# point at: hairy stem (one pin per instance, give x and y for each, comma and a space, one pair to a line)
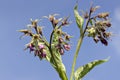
79, 46
75, 56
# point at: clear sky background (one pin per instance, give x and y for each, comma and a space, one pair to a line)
17, 64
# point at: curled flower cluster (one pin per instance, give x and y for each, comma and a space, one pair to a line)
62, 45
99, 24
60, 39
39, 45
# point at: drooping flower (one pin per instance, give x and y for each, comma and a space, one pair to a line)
26, 32
61, 50
31, 47
60, 40
39, 29
42, 51
41, 46
67, 37
34, 22
37, 52
96, 39
103, 15
67, 47
43, 54
65, 21
51, 17
53, 20
104, 41
93, 9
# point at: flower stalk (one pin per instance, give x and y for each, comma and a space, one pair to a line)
76, 55
79, 45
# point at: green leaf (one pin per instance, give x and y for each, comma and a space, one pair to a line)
83, 70
55, 59
79, 19
60, 68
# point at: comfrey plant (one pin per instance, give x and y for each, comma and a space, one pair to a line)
96, 27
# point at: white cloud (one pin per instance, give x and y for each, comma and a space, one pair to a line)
117, 13
116, 30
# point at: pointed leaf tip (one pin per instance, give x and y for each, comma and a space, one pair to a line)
79, 19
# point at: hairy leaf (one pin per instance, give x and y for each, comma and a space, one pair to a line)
56, 62
60, 68
83, 70
79, 19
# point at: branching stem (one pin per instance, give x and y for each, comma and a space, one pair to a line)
79, 46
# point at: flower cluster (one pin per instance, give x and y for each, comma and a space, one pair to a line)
40, 51
99, 24
63, 45
39, 45
61, 39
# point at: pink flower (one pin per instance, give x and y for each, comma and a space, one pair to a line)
43, 54
31, 47
41, 46
61, 51
67, 47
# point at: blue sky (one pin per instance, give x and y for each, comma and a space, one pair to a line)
17, 64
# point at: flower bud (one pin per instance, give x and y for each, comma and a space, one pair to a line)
39, 29
51, 18
93, 9
99, 23
103, 15
37, 52
36, 36
41, 46
108, 24
58, 46
26, 32
67, 47
91, 32
102, 29
104, 41
60, 40
59, 31
67, 37
103, 23
34, 22
96, 40
61, 51
55, 22
31, 47
64, 22
86, 15
107, 34
43, 54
